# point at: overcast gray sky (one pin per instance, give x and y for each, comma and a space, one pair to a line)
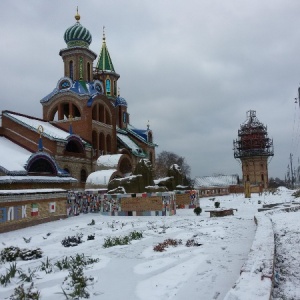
193, 68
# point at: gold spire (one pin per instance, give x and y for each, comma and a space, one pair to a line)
77, 16
103, 38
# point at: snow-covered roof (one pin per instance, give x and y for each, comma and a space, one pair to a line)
109, 161
31, 191
100, 177
12, 156
53, 179
216, 181
33, 124
134, 148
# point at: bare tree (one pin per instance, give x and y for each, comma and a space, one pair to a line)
166, 159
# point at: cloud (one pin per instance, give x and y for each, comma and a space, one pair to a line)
192, 68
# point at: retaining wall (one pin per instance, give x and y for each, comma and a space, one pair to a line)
23, 208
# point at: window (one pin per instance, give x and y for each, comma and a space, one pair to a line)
88, 71
107, 85
115, 88
83, 175
71, 69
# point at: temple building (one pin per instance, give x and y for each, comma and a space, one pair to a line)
85, 125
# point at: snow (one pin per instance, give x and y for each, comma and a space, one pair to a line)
13, 157
109, 161
4, 179
31, 191
213, 181
129, 143
49, 129
211, 271
100, 177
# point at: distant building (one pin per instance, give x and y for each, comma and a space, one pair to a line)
217, 185
84, 118
253, 148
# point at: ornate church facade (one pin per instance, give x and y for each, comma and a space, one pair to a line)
85, 124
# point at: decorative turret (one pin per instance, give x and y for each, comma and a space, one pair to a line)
105, 70
77, 35
253, 147
78, 58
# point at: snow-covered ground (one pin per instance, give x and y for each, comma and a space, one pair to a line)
135, 271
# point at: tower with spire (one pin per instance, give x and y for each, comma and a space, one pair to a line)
105, 71
89, 99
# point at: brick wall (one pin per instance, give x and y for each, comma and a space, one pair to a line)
141, 204
16, 210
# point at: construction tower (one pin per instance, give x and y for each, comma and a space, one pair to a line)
253, 148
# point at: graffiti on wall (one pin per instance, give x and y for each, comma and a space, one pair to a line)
12, 213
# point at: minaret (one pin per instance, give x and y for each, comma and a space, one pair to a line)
78, 58
253, 148
105, 71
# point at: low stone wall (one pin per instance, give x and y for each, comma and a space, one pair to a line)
187, 199
160, 203
23, 208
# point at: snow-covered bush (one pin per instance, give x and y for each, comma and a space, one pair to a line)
72, 241
29, 254
20, 293
9, 254
12, 253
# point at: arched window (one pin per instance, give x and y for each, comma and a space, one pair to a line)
115, 88
102, 143
88, 71
107, 117
42, 166
108, 144
71, 69
83, 175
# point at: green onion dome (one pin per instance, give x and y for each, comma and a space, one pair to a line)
77, 35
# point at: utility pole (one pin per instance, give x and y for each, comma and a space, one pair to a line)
292, 175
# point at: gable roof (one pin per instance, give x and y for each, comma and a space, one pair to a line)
50, 131
131, 145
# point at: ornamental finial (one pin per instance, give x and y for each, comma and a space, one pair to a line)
77, 16
103, 38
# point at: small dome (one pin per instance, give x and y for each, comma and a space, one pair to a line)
77, 35
120, 102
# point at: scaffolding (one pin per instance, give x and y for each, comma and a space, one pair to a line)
252, 139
